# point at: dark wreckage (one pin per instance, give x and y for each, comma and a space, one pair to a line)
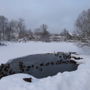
40, 65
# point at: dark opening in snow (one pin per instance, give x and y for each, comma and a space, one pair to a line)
40, 65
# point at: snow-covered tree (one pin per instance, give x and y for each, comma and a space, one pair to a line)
83, 24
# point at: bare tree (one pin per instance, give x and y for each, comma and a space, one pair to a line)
11, 28
3, 27
44, 32
83, 24
21, 28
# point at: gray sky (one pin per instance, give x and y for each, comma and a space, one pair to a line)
57, 14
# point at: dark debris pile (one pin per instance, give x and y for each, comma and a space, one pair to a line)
5, 69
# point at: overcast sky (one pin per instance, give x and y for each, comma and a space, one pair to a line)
57, 14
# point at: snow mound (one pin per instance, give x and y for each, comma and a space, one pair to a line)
76, 80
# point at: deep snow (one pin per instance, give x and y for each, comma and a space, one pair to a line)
76, 80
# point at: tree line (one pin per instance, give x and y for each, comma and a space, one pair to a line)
16, 29
13, 30
82, 25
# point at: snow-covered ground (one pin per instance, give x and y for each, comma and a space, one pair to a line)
76, 80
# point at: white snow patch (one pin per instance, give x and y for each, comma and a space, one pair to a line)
14, 50
76, 80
